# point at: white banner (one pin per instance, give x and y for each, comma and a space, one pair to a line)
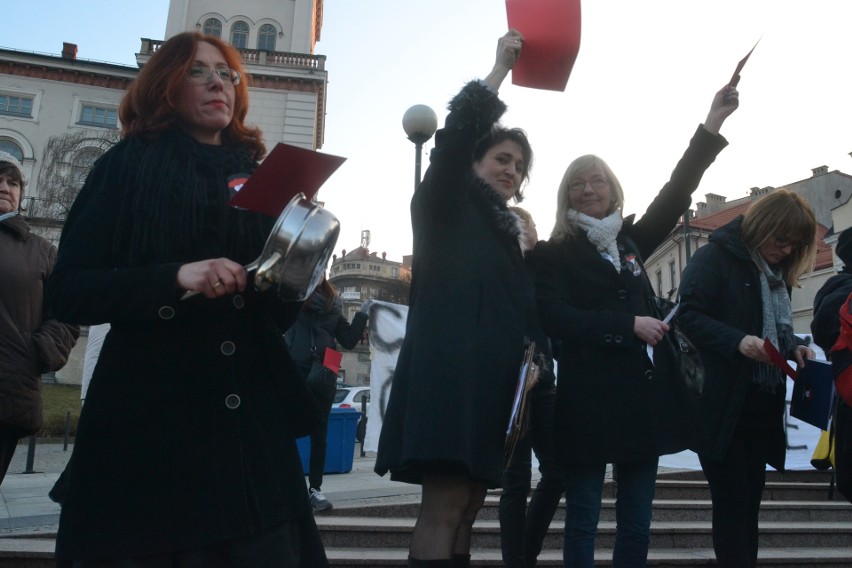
387, 328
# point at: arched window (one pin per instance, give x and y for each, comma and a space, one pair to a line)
266, 37
7, 145
239, 35
82, 163
212, 27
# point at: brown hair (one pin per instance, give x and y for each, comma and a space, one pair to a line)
783, 214
149, 107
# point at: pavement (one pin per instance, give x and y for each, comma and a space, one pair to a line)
26, 508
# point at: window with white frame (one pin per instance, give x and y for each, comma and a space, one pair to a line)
239, 35
16, 105
11, 147
96, 115
212, 27
266, 37
672, 275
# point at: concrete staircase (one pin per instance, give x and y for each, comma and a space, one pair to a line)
799, 527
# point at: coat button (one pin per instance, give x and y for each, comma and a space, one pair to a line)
622, 294
649, 374
608, 338
166, 312
238, 301
618, 339
233, 401
228, 348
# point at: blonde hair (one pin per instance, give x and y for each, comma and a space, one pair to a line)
564, 229
783, 214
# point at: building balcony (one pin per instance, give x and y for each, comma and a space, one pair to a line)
282, 59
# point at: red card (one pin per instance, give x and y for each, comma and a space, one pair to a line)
735, 78
551, 30
332, 359
286, 171
777, 359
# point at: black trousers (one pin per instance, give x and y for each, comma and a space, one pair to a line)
323, 389
295, 544
736, 488
9, 436
522, 529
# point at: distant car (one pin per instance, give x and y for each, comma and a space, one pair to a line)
351, 397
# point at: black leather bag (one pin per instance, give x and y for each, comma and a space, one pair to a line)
688, 360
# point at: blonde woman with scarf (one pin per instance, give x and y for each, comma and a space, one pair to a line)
615, 404
736, 292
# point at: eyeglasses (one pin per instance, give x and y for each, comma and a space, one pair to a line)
202, 75
783, 243
595, 182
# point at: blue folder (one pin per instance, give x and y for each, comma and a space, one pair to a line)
813, 394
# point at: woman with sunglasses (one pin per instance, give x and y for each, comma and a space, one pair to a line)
735, 294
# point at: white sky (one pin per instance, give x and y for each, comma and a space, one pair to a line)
644, 78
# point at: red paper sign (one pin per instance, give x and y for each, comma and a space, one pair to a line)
332, 359
286, 171
551, 30
735, 78
777, 359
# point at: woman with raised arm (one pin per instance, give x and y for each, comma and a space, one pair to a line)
615, 405
452, 389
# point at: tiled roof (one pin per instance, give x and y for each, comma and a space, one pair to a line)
824, 256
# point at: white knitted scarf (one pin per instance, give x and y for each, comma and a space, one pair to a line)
601, 233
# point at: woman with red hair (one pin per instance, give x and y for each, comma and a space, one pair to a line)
185, 454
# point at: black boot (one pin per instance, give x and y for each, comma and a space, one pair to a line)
415, 563
461, 560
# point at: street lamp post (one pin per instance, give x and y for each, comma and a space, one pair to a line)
419, 122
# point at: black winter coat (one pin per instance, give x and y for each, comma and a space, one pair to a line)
458, 365
187, 437
613, 404
319, 328
721, 304
825, 326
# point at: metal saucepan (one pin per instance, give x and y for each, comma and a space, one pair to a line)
296, 252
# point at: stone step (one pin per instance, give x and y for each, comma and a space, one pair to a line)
368, 532
671, 558
38, 553
667, 489
664, 510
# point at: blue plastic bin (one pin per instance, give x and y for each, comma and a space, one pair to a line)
340, 442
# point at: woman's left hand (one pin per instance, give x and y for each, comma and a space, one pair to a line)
725, 102
803, 352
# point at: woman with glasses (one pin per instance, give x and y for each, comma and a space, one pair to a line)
185, 454
616, 405
735, 295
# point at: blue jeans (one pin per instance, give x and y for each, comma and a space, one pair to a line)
634, 498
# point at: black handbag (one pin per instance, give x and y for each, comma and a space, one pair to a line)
686, 355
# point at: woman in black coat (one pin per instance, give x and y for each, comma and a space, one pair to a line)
186, 449
452, 389
735, 292
615, 405
320, 326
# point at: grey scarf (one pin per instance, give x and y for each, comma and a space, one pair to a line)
777, 324
601, 233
